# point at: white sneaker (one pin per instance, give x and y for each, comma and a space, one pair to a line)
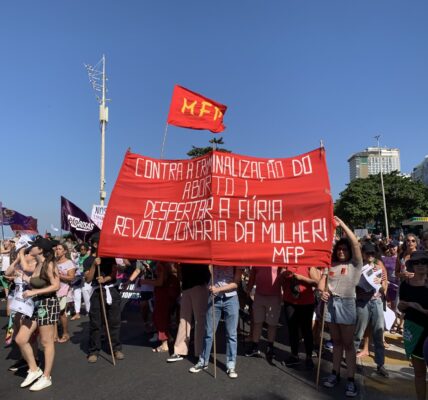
42, 383
232, 373
31, 377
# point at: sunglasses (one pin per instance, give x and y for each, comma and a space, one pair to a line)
411, 241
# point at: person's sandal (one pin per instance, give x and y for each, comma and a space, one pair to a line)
160, 349
64, 339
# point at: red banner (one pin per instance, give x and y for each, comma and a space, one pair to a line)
192, 110
223, 209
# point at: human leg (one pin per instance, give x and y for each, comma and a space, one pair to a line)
199, 305
420, 371
181, 345
47, 341
231, 317
210, 328
22, 339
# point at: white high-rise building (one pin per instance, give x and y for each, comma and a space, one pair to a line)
420, 172
367, 162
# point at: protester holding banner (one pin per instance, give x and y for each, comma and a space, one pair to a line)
414, 303
299, 305
266, 307
193, 303
101, 274
167, 290
370, 296
44, 283
225, 281
67, 272
338, 292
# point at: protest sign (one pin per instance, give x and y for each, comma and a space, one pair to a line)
222, 209
97, 215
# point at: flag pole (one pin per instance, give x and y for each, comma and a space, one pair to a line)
164, 140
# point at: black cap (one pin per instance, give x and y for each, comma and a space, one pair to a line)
368, 248
419, 256
44, 244
394, 243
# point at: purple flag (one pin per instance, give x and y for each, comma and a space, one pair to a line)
19, 222
73, 219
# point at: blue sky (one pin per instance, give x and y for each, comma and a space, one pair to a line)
290, 72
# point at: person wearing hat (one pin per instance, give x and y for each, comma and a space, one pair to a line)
44, 284
370, 304
413, 295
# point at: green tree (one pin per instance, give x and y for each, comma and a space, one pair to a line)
200, 151
361, 202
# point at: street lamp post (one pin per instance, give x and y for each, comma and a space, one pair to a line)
97, 77
377, 137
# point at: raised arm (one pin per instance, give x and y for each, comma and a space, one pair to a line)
356, 249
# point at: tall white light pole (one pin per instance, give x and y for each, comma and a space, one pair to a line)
97, 77
377, 137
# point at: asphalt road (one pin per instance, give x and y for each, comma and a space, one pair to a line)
144, 374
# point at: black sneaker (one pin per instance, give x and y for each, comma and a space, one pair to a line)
351, 389
174, 358
270, 354
291, 361
382, 371
252, 351
18, 365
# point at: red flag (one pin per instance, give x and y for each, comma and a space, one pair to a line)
222, 209
192, 110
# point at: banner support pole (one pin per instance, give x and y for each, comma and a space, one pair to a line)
321, 337
164, 141
103, 306
214, 325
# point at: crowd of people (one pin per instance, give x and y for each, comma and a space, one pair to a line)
45, 280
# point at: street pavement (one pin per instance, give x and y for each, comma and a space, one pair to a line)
144, 374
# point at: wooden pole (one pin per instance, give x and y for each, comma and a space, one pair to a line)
103, 306
322, 336
214, 326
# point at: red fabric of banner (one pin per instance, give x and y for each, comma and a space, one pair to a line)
192, 110
223, 209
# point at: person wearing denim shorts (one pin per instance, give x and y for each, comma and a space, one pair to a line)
338, 292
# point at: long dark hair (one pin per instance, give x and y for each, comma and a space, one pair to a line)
49, 256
